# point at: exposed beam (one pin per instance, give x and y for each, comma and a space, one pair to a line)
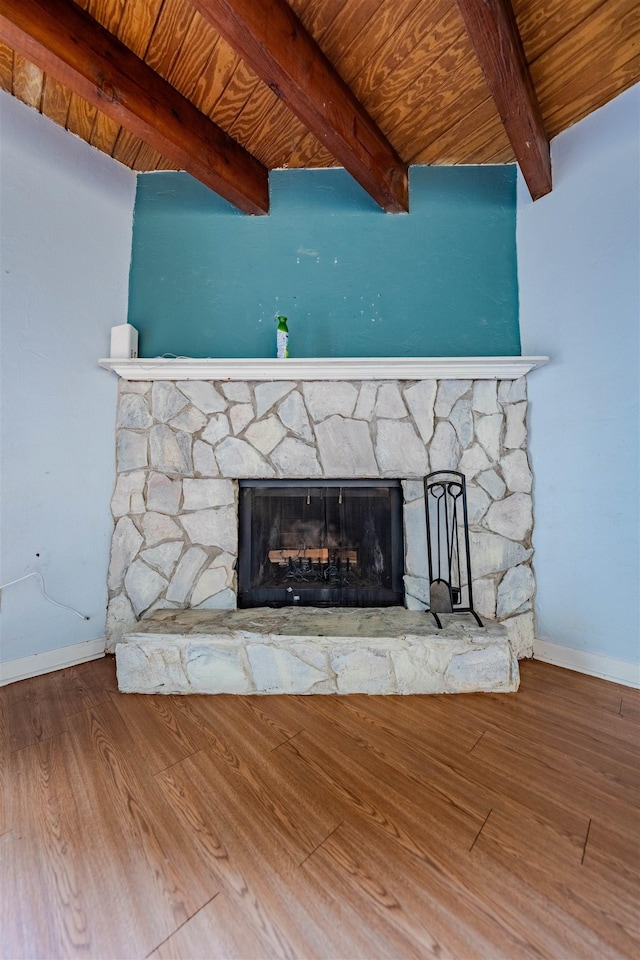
271, 39
493, 31
60, 38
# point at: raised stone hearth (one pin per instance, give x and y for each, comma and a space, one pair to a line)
313, 651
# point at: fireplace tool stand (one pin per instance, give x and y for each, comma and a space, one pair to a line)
445, 499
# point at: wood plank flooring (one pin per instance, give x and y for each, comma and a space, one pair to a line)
475, 826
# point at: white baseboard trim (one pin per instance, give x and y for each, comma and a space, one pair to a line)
596, 665
39, 663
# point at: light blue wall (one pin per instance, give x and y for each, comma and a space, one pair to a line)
66, 221
353, 281
66, 238
579, 268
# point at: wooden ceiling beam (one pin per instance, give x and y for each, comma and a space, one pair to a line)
493, 31
272, 40
61, 39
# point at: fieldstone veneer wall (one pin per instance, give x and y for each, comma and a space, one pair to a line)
181, 448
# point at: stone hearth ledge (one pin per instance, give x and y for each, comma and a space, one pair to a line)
306, 650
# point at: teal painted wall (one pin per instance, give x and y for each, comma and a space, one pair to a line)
353, 281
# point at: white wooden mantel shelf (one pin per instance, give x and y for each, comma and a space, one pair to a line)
325, 368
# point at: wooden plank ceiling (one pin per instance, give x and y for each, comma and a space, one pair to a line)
229, 89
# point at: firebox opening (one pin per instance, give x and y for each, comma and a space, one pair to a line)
320, 543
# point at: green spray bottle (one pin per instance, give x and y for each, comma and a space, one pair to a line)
282, 339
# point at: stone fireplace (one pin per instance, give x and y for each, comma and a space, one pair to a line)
184, 445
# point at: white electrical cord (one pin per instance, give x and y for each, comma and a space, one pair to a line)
44, 593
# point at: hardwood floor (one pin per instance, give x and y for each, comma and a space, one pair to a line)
475, 826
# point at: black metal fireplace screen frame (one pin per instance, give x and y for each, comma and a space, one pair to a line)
337, 588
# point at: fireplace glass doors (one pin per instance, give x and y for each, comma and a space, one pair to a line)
323, 543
